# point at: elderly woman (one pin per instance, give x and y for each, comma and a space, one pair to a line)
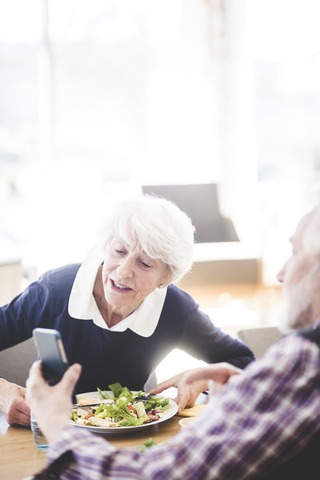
119, 313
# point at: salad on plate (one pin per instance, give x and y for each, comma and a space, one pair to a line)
121, 409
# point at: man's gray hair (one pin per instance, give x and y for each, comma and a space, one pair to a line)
161, 229
311, 234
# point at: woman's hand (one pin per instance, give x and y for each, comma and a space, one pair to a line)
192, 382
187, 394
51, 406
216, 375
13, 403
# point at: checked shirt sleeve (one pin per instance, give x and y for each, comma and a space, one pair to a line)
263, 417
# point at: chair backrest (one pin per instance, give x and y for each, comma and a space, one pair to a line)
259, 339
15, 362
201, 203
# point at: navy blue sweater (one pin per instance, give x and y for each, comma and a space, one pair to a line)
108, 357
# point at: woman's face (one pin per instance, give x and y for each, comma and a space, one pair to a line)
129, 275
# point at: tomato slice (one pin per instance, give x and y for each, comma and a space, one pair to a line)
88, 416
131, 409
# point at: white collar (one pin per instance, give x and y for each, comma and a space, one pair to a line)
143, 321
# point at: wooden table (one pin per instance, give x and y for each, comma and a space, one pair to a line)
19, 457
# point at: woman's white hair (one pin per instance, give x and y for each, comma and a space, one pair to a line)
158, 226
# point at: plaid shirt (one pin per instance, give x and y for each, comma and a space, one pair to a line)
260, 419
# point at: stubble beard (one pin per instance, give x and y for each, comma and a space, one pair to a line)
297, 312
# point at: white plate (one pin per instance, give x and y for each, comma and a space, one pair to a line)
172, 410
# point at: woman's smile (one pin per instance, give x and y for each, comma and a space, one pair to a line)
118, 286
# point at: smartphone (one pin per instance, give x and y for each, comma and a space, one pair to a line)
52, 355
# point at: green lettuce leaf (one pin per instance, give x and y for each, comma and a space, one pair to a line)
128, 418
116, 388
104, 395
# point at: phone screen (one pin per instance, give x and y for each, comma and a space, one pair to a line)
52, 355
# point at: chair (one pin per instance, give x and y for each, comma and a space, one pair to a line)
15, 362
220, 257
259, 339
201, 203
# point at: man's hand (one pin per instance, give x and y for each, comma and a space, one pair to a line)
13, 404
51, 406
187, 394
192, 382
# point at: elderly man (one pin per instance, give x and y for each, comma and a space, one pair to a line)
263, 422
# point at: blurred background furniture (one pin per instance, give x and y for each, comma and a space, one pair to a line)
259, 339
10, 279
15, 362
201, 203
220, 257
